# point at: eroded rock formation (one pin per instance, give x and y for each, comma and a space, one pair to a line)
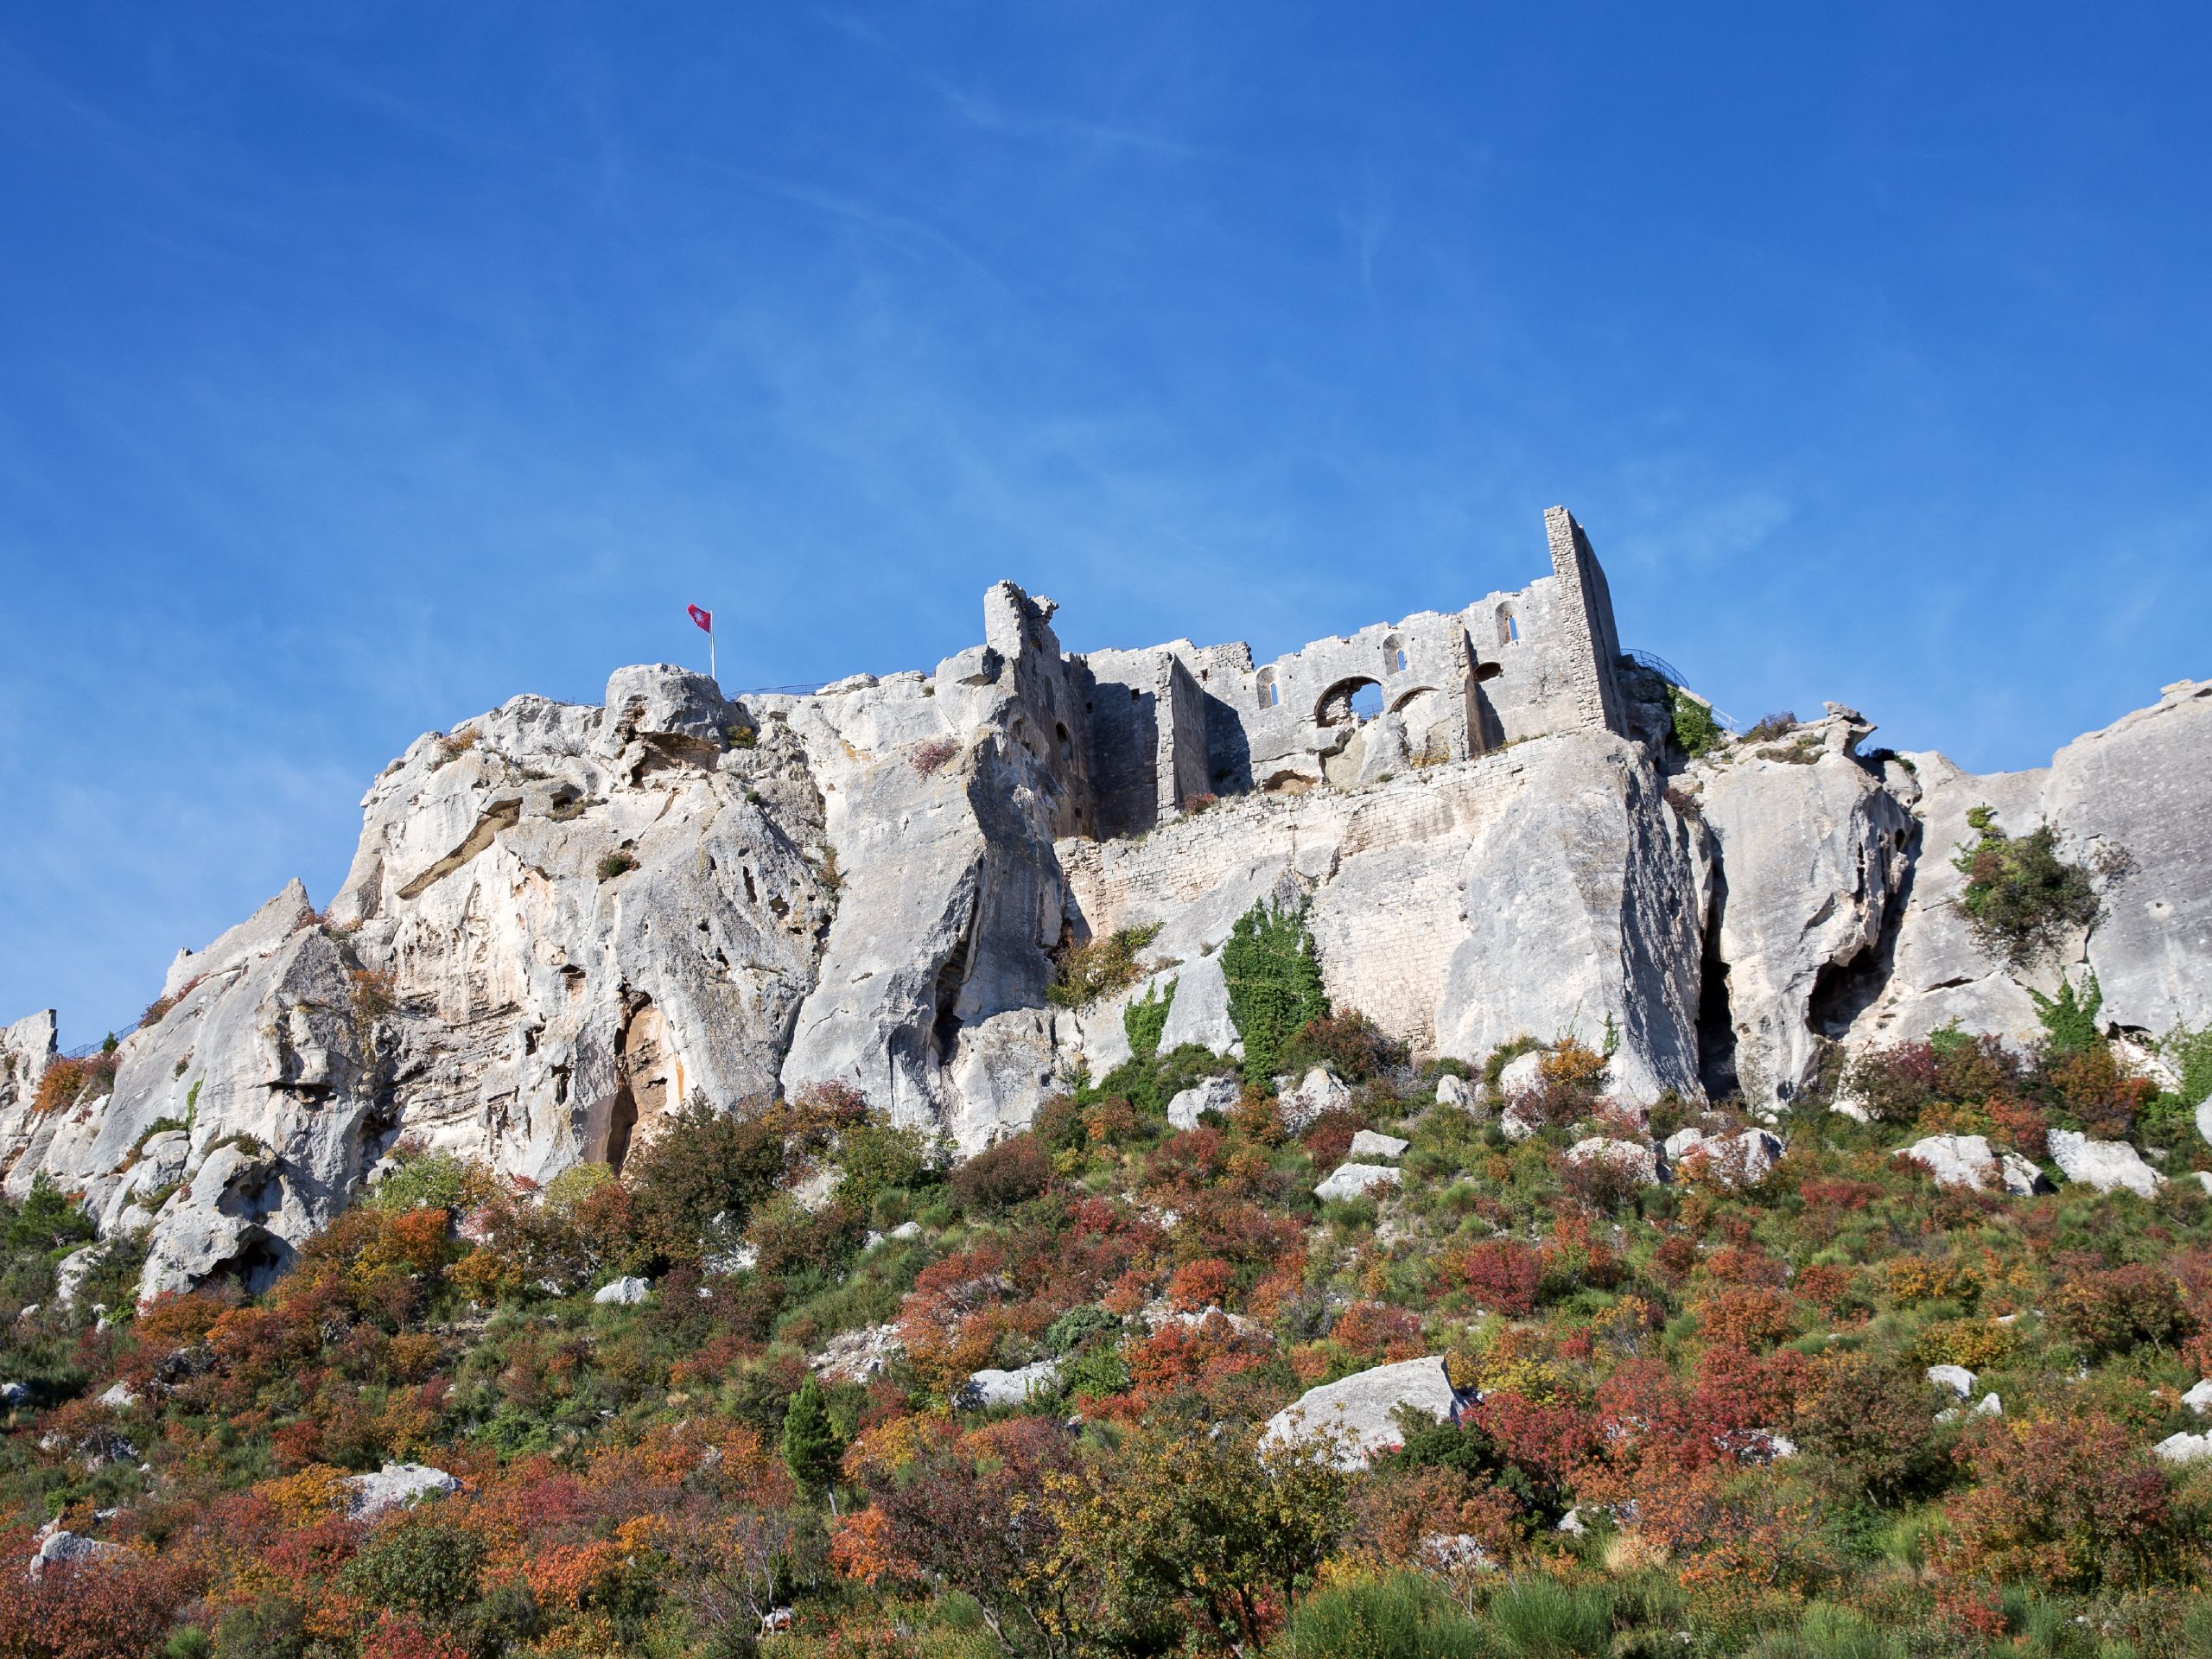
564, 922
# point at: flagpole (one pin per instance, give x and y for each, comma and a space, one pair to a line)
711, 674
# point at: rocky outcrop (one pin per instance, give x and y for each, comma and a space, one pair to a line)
2135, 799
1355, 1181
563, 923
1813, 858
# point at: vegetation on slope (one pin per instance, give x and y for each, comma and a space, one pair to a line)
1705, 1423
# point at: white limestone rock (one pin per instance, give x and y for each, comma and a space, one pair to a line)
627, 1292
1020, 1387
1968, 1160
1521, 1075
1358, 1412
2199, 1398
27, 1048
370, 1495
1814, 857
1369, 1143
2183, 1447
1746, 1157
1302, 1103
1988, 1405
1455, 1092
858, 1356
2107, 1166
1957, 1378
1633, 1158
70, 1548
1214, 1095
1355, 1181
2204, 1117
118, 1396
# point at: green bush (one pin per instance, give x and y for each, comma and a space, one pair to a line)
616, 864
1275, 983
430, 1181
1696, 729
2070, 1020
1404, 1617
2021, 899
1146, 1018
421, 1563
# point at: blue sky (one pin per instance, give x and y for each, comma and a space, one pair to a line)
362, 366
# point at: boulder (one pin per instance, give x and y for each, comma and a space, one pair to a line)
369, 1496
2204, 1117
1455, 1091
623, 1292
2107, 1166
13, 1394
1637, 1162
1015, 1388
1354, 1181
1957, 1378
858, 1356
1214, 1095
71, 1548
1369, 1144
1358, 1412
1988, 1405
1522, 1075
1968, 1161
1731, 1160
1300, 1104
2184, 1448
118, 1396
2199, 1398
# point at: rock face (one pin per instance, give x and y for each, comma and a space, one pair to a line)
1214, 1095
1812, 851
1359, 1412
564, 923
2143, 786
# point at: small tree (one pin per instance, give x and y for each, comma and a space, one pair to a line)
1275, 983
812, 1445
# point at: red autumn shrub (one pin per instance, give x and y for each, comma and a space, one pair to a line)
1202, 1284
1327, 1140
1372, 1330
1747, 1316
117, 1608
2073, 1502
1503, 1274
997, 1178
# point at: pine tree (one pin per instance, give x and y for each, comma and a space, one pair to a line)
812, 1445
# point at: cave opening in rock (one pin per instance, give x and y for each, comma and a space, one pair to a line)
1716, 1022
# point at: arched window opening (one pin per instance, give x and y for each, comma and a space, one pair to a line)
1271, 693
1356, 701
1393, 655
1509, 626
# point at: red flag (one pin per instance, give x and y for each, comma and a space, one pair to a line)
704, 618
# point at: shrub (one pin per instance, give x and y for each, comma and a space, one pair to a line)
930, 754
1349, 1043
1504, 1274
702, 1165
2111, 1310
2075, 1504
1543, 1618
1770, 726
1895, 1084
1872, 1422
2021, 899
1002, 1176
2070, 1020
1146, 1018
1696, 729
418, 1561
1274, 984
66, 1081
1099, 967
743, 737
617, 863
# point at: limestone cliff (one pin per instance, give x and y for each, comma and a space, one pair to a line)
563, 921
